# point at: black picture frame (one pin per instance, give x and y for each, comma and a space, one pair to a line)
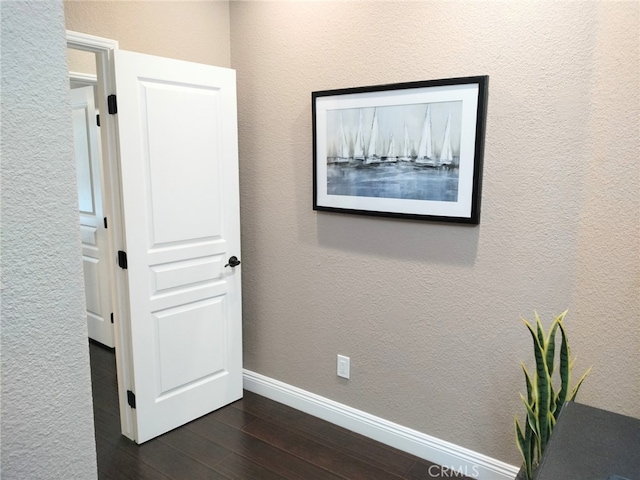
405, 150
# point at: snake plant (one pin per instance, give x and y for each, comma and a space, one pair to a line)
546, 393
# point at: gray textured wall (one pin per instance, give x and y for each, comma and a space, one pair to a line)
47, 419
429, 313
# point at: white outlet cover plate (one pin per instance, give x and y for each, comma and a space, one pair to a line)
343, 366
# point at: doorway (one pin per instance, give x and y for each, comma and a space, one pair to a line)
100, 210
170, 173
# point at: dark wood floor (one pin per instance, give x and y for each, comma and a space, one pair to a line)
253, 438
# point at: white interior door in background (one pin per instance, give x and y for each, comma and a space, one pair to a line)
95, 254
177, 130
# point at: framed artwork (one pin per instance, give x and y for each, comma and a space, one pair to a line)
407, 150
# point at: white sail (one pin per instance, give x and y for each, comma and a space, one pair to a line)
406, 152
391, 151
332, 153
372, 151
425, 150
358, 146
446, 154
343, 145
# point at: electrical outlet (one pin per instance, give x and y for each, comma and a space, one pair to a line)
344, 366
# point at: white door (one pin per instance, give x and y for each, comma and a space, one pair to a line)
177, 128
95, 253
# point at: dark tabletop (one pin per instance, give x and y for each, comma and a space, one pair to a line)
592, 444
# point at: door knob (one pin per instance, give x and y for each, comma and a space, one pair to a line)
233, 262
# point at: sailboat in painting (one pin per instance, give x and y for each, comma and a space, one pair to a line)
425, 150
446, 154
406, 152
372, 152
391, 151
358, 146
343, 146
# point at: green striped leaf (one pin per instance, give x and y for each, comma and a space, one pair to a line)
550, 346
532, 418
565, 370
539, 329
529, 383
575, 390
542, 382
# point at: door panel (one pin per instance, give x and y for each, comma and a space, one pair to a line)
95, 253
179, 167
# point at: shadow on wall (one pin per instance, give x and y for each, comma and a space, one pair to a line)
399, 239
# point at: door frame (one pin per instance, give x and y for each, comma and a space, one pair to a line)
103, 49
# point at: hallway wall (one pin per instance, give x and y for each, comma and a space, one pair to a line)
430, 313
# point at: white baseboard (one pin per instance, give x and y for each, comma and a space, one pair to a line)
455, 458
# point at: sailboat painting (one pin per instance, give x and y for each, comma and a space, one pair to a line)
363, 159
412, 150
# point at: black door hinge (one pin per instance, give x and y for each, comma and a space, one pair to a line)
122, 259
105, 222
112, 318
112, 104
131, 399
98, 119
